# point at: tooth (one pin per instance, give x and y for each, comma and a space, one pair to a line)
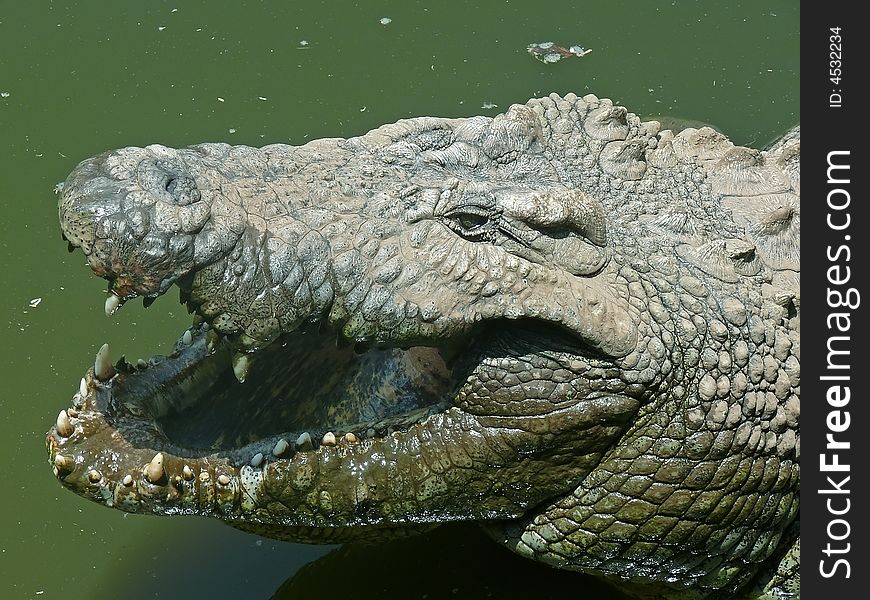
212, 340
113, 303
128, 480
187, 473
241, 363
280, 447
303, 442
103, 368
328, 439
154, 471
141, 364
257, 459
350, 438
62, 425
72, 412
83, 387
187, 338
223, 480
64, 464
94, 476
204, 476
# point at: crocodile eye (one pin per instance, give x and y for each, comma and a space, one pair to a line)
470, 221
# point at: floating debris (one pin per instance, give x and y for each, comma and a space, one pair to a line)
303, 45
35, 302
548, 52
4, 94
579, 50
488, 105
386, 20
262, 98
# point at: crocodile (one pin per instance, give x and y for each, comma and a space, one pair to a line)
565, 323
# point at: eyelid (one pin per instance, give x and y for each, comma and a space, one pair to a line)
468, 210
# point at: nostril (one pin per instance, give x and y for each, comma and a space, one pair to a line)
182, 189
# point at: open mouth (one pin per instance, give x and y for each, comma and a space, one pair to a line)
300, 393
207, 412
322, 433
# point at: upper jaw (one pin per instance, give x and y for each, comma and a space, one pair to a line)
134, 231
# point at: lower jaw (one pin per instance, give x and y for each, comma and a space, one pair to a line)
365, 488
103, 459
119, 446
124, 443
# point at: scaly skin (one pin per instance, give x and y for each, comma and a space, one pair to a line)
561, 322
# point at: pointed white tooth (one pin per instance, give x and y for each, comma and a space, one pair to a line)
141, 364
187, 338
303, 442
187, 473
328, 439
113, 303
128, 480
280, 447
63, 426
223, 479
350, 438
241, 364
257, 459
83, 387
154, 471
103, 368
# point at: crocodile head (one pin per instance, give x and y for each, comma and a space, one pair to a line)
447, 319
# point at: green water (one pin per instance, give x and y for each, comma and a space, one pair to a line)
77, 78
